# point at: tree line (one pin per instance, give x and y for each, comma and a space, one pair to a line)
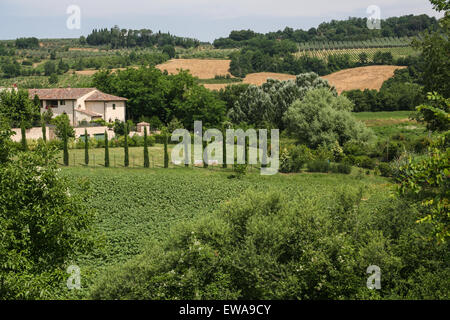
353, 29
128, 38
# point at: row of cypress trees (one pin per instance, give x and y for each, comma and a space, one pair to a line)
126, 150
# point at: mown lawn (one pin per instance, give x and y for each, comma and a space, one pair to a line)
134, 206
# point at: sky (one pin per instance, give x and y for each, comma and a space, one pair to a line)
205, 20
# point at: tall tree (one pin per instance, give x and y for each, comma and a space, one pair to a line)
146, 158
224, 147
44, 130
65, 148
106, 150
166, 152
205, 154
24, 137
86, 147
125, 145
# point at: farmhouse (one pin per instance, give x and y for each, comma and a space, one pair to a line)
81, 104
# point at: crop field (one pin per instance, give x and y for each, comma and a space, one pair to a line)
135, 206
201, 68
371, 77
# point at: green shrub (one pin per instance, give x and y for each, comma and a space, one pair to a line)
421, 144
385, 169
300, 155
319, 166
365, 162
285, 162
42, 225
355, 149
341, 168
270, 246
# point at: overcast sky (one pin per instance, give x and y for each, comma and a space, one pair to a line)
205, 20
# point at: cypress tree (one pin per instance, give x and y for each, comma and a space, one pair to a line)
24, 137
127, 160
166, 152
106, 150
205, 154
146, 159
186, 156
65, 148
246, 145
86, 147
44, 131
224, 148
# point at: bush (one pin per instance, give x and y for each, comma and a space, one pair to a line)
364, 162
299, 156
421, 144
319, 166
341, 168
270, 246
42, 225
385, 169
285, 162
355, 149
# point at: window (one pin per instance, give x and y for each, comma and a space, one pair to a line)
114, 106
62, 102
51, 104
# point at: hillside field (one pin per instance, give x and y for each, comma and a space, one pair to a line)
135, 206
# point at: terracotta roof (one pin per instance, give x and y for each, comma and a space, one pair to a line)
89, 113
73, 94
60, 93
100, 96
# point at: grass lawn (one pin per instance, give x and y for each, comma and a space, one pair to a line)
382, 115
135, 206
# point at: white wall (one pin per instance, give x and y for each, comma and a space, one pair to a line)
118, 113
67, 108
30, 134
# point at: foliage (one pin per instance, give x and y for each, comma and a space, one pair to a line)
401, 92
266, 105
125, 146
319, 166
166, 152
436, 113
42, 225
119, 38
146, 159
426, 183
351, 30
63, 127
18, 108
321, 118
385, 169
86, 147
270, 246
150, 92
106, 150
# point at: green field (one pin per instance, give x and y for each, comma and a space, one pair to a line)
392, 123
136, 205
383, 115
